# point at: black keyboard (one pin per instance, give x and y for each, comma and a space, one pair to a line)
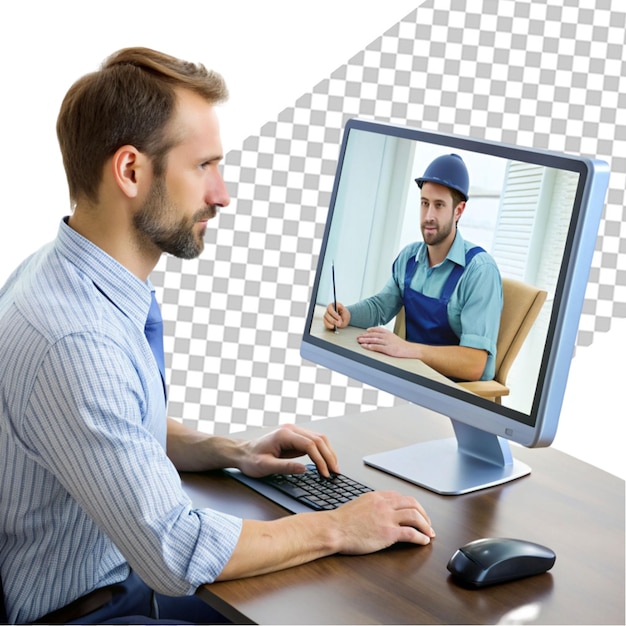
305, 492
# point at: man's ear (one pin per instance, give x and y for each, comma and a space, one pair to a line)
130, 169
458, 211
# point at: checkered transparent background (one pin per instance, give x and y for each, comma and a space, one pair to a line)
542, 73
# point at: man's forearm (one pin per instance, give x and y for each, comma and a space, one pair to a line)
458, 362
372, 522
193, 451
265, 547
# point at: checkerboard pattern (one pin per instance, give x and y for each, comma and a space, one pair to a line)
542, 73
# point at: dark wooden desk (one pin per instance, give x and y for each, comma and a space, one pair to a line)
574, 508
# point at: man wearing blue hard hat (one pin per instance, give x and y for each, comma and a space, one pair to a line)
451, 289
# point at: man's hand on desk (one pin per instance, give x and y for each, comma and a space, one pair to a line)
379, 339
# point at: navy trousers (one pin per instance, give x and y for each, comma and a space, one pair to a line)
134, 602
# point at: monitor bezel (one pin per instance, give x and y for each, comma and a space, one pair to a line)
538, 428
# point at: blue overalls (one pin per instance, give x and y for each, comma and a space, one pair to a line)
426, 317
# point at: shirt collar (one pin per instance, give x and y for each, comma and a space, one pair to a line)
129, 294
456, 254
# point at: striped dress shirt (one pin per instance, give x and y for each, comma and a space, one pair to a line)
86, 489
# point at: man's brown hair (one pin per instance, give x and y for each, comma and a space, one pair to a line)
457, 197
128, 101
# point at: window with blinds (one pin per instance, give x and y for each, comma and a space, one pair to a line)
533, 221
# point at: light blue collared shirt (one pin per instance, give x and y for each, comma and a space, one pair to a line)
86, 488
475, 306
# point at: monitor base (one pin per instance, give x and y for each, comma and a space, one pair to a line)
442, 467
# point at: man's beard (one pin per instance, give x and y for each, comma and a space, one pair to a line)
154, 223
433, 239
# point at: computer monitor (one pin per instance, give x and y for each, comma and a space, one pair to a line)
536, 212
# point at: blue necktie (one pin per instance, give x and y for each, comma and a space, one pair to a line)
154, 334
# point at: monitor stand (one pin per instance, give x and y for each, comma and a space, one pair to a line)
472, 460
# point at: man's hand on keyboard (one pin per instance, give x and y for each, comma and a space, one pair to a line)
379, 519
276, 453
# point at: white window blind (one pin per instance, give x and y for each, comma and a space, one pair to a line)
516, 218
533, 221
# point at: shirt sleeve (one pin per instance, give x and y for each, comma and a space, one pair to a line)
381, 308
86, 423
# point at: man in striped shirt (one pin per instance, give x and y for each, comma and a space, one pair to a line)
93, 518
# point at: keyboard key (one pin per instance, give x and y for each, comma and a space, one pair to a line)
316, 491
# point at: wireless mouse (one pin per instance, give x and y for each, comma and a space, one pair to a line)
498, 560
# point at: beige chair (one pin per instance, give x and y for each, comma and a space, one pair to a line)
521, 306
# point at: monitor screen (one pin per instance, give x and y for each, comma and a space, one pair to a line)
532, 213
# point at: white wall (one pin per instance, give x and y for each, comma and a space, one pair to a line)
263, 49
270, 53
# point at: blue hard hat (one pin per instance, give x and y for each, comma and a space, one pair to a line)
448, 170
